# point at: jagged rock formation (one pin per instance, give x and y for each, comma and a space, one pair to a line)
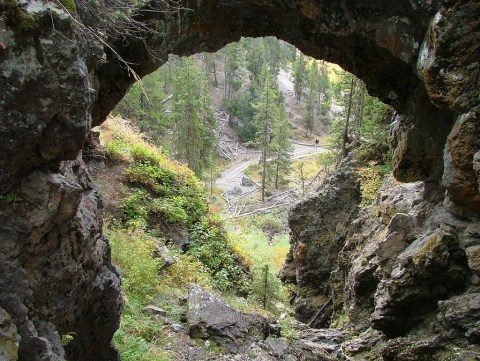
58, 78
405, 266
318, 226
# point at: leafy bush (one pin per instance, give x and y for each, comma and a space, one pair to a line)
209, 246
169, 209
117, 149
134, 207
133, 253
185, 271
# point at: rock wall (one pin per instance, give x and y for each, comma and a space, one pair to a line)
405, 266
60, 74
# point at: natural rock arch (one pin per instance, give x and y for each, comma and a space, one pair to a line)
56, 82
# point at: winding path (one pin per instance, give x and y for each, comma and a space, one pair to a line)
232, 177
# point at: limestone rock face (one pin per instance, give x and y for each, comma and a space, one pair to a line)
210, 317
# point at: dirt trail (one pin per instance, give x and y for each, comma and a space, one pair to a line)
232, 177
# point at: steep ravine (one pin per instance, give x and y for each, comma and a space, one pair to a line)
408, 265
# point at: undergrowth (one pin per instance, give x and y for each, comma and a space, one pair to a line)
166, 193
371, 180
138, 335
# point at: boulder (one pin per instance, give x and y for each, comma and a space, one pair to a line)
247, 182
235, 191
427, 271
211, 318
462, 312
154, 311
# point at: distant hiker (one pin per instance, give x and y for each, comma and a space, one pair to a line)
316, 142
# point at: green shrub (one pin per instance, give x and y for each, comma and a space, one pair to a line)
11, 198
209, 246
134, 207
169, 209
151, 176
133, 253
185, 271
117, 149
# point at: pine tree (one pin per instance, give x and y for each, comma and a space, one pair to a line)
255, 58
281, 148
311, 97
210, 61
266, 115
144, 105
299, 75
193, 117
364, 122
232, 62
265, 287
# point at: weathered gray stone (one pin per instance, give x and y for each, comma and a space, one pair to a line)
57, 79
210, 317
425, 272
318, 227
235, 191
247, 182
473, 256
154, 311
462, 312
460, 177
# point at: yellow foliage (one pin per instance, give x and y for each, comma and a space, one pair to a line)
370, 183
184, 272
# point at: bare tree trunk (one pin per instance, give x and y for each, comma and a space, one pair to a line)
264, 160
264, 150
345, 130
361, 103
225, 75
265, 287
276, 174
214, 66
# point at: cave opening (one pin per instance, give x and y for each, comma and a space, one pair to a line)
56, 83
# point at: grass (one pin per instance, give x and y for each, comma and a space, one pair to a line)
142, 337
138, 335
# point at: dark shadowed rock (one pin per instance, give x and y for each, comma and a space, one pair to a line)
428, 270
210, 317
318, 227
235, 191
247, 182
462, 312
